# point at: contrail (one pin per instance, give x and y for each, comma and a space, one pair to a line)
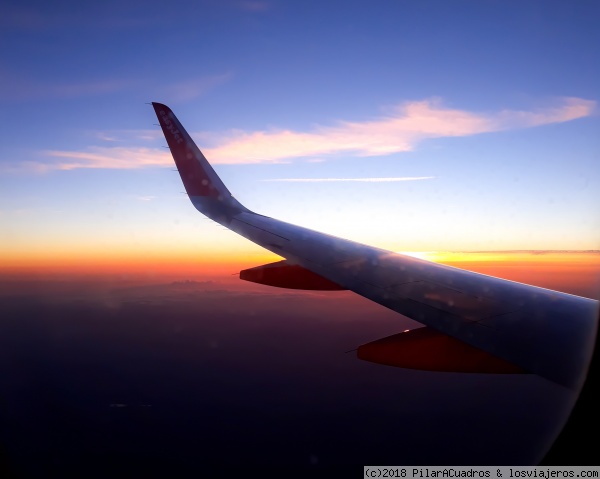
364, 180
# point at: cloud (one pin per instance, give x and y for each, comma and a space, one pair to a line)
569, 109
401, 129
190, 89
45, 17
111, 158
27, 18
19, 88
85, 89
362, 180
124, 136
16, 86
104, 137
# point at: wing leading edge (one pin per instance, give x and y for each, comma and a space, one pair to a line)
544, 332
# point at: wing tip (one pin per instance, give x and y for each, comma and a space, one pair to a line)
156, 105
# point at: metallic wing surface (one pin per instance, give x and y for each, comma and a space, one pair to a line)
518, 327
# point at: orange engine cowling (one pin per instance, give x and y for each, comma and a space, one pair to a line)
285, 275
429, 350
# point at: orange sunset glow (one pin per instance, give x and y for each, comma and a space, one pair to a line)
574, 272
157, 263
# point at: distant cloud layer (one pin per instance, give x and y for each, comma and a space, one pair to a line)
399, 130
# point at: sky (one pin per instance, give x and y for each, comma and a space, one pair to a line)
416, 126
411, 126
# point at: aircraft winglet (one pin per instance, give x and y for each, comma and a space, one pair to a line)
204, 187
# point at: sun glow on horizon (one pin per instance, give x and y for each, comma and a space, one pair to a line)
427, 255
457, 256
575, 272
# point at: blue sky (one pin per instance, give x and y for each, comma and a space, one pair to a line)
492, 105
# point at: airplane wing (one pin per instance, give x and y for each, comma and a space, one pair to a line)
473, 322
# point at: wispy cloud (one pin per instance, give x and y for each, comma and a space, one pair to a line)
15, 88
18, 86
401, 129
28, 18
360, 180
194, 88
104, 137
111, 158
126, 136
144, 198
44, 17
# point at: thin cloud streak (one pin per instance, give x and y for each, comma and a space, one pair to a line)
361, 180
191, 89
22, 87
110, 158
13, 88
403, 128
127, 136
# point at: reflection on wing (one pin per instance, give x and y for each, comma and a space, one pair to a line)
516, 326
